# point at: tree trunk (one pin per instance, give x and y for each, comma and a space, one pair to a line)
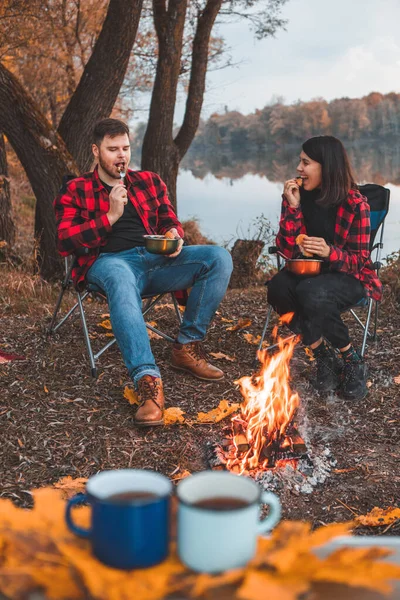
245, 254
7, 228
101, 80
161, 153
44, 157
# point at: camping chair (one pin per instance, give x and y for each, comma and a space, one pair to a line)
378, 199
148, 304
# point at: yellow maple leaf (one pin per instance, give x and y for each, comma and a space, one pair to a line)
252, 339
241, 324
131, 395
182, 475
358, 567
204, 582
106, 324
261, 585
173, 415
70, 486
224, 409
378, 516
222, 355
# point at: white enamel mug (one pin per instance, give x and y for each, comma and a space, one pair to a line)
213, 540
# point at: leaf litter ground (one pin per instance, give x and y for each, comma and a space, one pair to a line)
57, 421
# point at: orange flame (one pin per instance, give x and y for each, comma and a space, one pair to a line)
268, 408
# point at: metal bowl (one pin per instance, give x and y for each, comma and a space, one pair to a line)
304, 266
159, 244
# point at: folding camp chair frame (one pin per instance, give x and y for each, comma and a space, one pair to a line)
368, 303
149, 303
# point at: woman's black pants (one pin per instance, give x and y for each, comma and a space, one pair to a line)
317, 303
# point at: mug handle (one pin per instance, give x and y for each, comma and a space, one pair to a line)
275, 512
78, 499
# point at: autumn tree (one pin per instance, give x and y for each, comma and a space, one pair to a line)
47, 153
162, 151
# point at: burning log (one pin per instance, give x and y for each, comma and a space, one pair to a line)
239, 437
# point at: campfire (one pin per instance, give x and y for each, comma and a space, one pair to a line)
264, 435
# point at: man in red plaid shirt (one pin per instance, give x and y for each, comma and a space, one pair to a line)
101, 219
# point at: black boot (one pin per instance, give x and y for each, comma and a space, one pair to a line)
328, 375
354, 376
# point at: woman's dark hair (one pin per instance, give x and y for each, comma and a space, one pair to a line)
111, 127
337, 176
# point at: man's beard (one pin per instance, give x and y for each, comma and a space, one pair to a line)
107, 170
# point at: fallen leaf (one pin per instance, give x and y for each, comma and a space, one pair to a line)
226, 320
378, 516
252, 339
224, 409
182, 475
131, 395
46, 389
241, 324
204, 582
108, 334
369, 384
222, 355
260, 585
397, 379
106, 324
5, 357
3, 244
173, 415
105, 316
70, 486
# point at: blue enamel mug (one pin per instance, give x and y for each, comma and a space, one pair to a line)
130, 511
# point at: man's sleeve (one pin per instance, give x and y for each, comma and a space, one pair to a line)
166, 217
73, 230
353, 259
291, 224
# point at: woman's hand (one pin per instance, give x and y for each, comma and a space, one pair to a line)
292, 193
317, 245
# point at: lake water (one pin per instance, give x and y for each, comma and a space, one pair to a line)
226, 208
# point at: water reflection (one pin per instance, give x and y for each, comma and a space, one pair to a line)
227, 191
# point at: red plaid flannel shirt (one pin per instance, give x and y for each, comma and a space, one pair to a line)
350, 251
81, 215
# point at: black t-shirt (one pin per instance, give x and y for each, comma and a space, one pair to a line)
318, 220
127, 232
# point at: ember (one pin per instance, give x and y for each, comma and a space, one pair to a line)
264, 435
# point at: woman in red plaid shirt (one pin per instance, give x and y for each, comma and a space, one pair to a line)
334, 218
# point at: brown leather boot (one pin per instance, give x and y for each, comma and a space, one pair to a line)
193, 359
151, 396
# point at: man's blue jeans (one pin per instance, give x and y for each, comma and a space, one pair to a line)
128, 275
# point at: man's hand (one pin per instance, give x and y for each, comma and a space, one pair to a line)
118, 199
317, 245
173, 234
292, 193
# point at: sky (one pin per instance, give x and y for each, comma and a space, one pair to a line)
330, 49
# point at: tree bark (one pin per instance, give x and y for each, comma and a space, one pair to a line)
101, 80
44, 157
7, 228
161, 153
245, 254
